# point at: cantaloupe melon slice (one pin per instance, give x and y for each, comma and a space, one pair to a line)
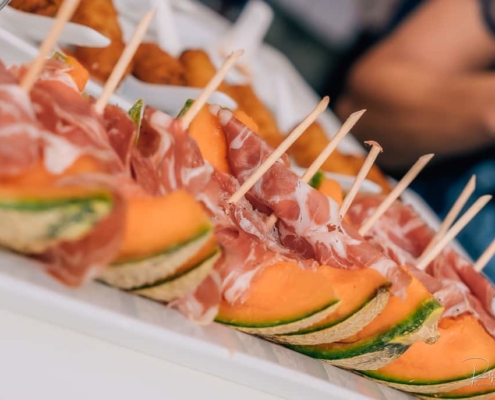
363, 295
180, 284
389, 335
463, 350
33, 220
164, 237
283, 298
206, 130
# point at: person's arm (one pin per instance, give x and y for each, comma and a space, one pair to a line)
422, 89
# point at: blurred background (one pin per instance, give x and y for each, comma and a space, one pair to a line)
320, 37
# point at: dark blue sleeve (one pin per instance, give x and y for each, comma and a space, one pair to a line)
488, 13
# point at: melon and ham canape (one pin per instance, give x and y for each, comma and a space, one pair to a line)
365, 291
252, 265
143, 204
318, 234
74, 204
460, 363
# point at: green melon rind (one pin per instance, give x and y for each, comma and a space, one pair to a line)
182, 284
292, 325
341, 329
386, 347
431, 387
282, 326
34, 225
134, 274
487, 395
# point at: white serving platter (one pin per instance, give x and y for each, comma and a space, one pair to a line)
36, 27
167, 98
151, 328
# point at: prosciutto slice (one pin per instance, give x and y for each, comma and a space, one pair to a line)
403, 235
20, 133
309, 222
64, 112
479, 285
53, 70
121, 132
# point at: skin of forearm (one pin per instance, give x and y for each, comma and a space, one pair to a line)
411, 112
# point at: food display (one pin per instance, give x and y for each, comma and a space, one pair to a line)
193, 68
163, 207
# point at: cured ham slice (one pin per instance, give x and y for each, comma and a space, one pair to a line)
479, 286
309, 222
174, 156
403, 235
53, 70
68, 115
121, 132
20, 133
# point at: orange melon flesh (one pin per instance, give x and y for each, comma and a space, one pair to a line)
78, 73
354, 288
455, 355
39, 177
246, 120
477, 387
39, 184
395, 311
332, 189
281, 293
206, 130
155, 224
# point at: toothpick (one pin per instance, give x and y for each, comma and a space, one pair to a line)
64, 14
395, 193
360, 177
326, 152
453, 213
426, 259
124, 61
210, 88
280, 150
485, 257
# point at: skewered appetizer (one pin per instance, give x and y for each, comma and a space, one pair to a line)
92, 191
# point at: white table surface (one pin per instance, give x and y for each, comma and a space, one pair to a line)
39, 360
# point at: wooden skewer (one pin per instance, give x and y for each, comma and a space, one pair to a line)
395, 193
280, 150
64, 14
124, 60
453, 213
360, 177
426, 259
210, 88
485, 257
323, 156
